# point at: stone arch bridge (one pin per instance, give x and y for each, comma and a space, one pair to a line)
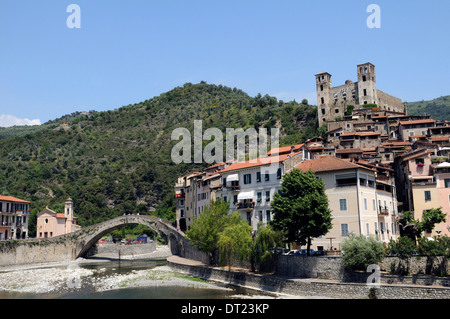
75, 245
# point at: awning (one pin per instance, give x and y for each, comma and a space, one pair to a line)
246, 195
443, 165
233, 178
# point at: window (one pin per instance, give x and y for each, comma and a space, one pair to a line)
343, 204
420, 161
344, 229
365, 203
367, 229
182, 213
267, 196
268, 216
259, 197
225, 199
279, 173
365, 92
427, 195
374, 205
267, 176
235, 199
258, 177
446, 182
346, 180
247, 178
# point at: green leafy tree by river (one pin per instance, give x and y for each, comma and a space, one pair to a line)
301, 210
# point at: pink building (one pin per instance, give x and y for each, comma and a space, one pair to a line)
52, 224
442, 174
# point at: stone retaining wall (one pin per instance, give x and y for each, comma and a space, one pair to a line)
308, 287
125, 250
331, 268
23, 252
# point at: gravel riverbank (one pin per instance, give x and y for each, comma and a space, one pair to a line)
65, 277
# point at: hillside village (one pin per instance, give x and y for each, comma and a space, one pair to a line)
376, 162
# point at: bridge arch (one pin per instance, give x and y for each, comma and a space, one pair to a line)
89, 236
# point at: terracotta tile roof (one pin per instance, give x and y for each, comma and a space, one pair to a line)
440, 139
398, 143
328, 163
60, 215
416, 153
285, 149
369, 133
349, 151
13, 199
258, 162
417, 122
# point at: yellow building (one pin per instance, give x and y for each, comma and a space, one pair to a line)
360, 204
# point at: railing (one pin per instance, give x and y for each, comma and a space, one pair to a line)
180, 195
384, 210
233, 187
241, 205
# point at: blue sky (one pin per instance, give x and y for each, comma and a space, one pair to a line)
129, 51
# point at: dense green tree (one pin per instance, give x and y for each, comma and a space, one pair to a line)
205, 230
413, 228
301, 210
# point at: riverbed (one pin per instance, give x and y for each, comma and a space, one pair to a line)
107, 277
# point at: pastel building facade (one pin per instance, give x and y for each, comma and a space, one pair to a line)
14, 217
360, 204
52, 224
425, 178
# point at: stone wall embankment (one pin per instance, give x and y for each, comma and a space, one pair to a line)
124, 250
307, 287
23, 252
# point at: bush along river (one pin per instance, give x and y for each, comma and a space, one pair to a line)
146, 277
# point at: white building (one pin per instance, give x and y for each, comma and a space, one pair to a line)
249, 186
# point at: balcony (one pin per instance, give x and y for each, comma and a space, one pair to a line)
383, 210
245, 205
234, 186
180, 195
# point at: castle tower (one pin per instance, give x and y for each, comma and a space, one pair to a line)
323, 87
68, 213
367, 84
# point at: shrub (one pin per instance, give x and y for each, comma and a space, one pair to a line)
360, 252
403, 248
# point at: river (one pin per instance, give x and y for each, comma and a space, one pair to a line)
146, 277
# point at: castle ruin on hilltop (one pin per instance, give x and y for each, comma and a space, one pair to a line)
339, 101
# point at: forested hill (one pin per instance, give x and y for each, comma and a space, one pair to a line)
438, 109
120, 161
